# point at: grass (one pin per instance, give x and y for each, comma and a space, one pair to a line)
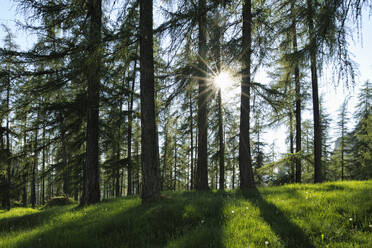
323, 215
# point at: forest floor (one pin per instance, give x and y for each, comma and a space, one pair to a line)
324, 215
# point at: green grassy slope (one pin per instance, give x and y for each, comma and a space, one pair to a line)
324, 215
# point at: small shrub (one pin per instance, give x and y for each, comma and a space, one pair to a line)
59, 201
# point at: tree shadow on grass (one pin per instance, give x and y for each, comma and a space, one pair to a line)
176, 221
289, 233
29, 221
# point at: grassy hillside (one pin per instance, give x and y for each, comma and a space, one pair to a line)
325, 215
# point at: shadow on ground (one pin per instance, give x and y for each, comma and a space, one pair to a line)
180, 220
289, 233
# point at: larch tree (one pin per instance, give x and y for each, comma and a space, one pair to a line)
315, 94
149, 138
91, 190
201, 182
245, 158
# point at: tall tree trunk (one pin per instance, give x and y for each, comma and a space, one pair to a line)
220, 110
202, 164
66, 170
314, 84
130, 125
117, 167
117, 146
192, 143
342, 151
8, 170
34, 171
149, 141
298, 98
245, 159
43, 168
175, 165
165, 156
221, 142
91, 191
26, 168
291, 145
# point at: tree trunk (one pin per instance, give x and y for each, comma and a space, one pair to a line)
220, 110
130, 124
192, 143
8, 170
221, 142
245, 159
298, 99
202, 164
165, 156
34, 171
175, 165
316, 113
91, 191
291, 146
149, 139
43, 169
66, 170
342, 151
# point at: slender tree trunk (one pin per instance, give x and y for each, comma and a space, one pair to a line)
316, 113
192, 143
91, 191
43, 169
342, 153
221, 142
8, 170
130, 125
26, 168
298, 98
34, 171
220, 110
291, 145
117, 147
245, 159
165, 156
150, 152
202, 164
175, 165
117, 167
66, 170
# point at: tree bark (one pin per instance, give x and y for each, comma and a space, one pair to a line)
149, 141
91, 191
66, 170
245, 159
192, 143
298, 98
202, 164
130, 125
175, 165
34, 171
220, 110
43, 167
8, 170
291, 145
314, 84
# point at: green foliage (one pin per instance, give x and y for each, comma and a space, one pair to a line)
323, 215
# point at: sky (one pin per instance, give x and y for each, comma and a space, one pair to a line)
360, 47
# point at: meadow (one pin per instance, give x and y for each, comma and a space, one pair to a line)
297, 215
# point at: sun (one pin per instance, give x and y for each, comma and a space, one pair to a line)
223, 81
